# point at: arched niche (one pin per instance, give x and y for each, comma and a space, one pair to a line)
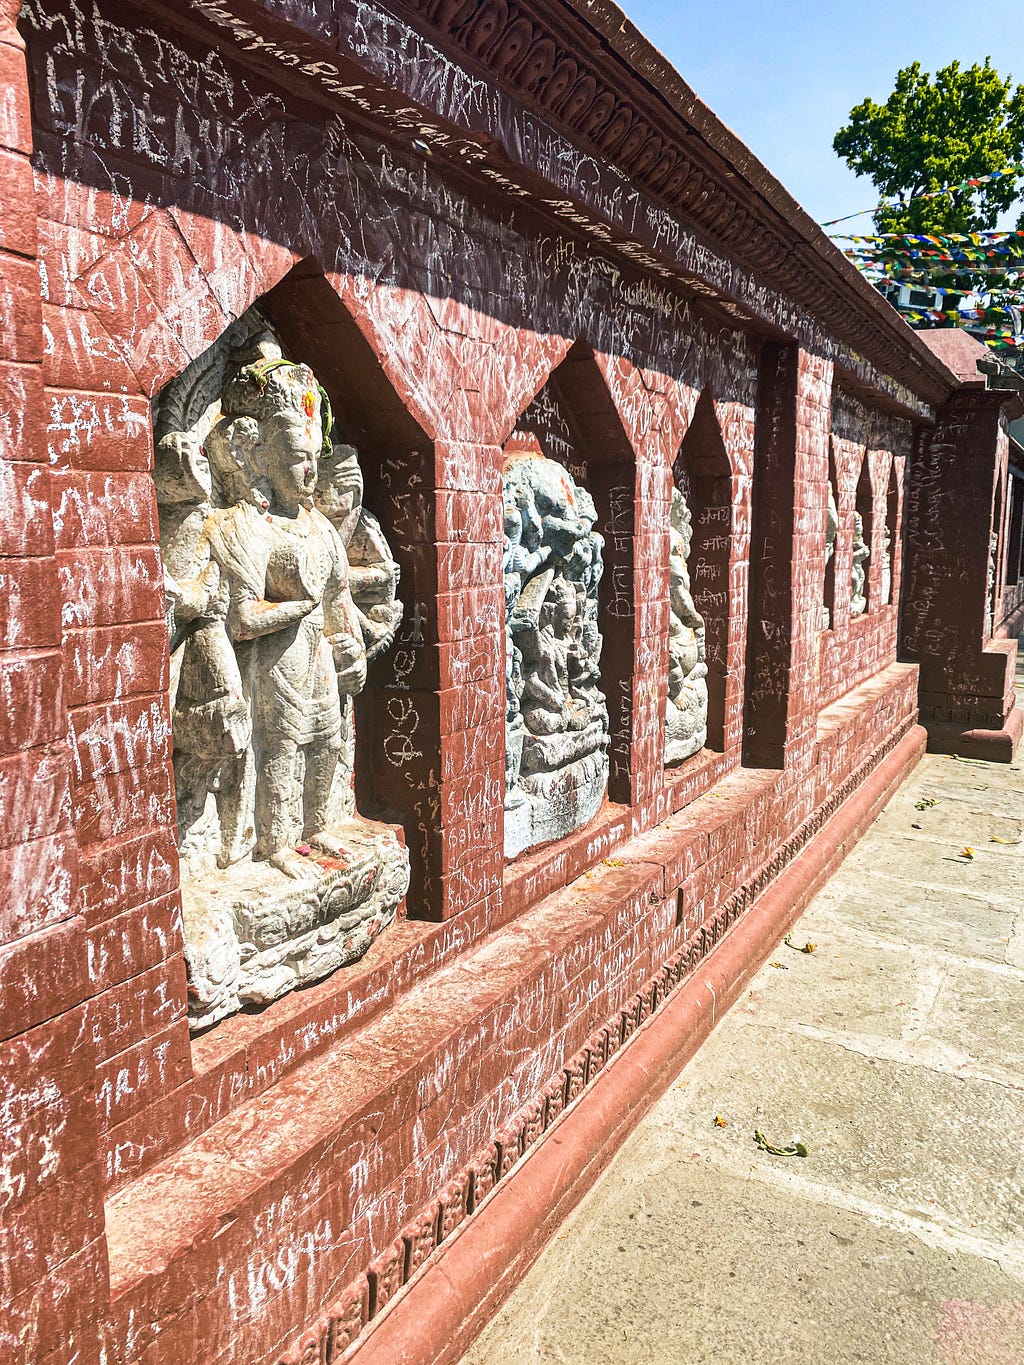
570, 615
996, 547
1015, 542
863, 526
289, 481
890, 545
702, 473
395, 769
828, 618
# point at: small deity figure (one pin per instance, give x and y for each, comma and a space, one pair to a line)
831, 534
686, 713
372, 571
556, 719
858, 574
281, 880
886, 570
990, 586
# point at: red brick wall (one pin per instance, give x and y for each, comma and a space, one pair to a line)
956, 502
51, 1244
868, 460
254, 1172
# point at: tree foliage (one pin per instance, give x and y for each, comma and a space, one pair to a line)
929, 134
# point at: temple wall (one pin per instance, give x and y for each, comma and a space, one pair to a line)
214, 1196
868, 463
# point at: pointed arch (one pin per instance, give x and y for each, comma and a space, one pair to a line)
396, 461
703, 474
997, 548
829, 593
889, 587
573, 421
864, 508
1014, 563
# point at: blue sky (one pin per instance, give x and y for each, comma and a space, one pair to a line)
785, 76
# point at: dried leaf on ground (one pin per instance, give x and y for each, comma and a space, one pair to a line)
796, 1147
807, 948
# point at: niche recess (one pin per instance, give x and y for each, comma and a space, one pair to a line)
830, 568
864, 506
573, 421
396, 723
703, 475
892, 513
1013, 557
997, 547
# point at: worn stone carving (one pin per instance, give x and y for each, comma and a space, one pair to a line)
831, 535
886, 570
990, 585
556, 728
280, 588
686, 712
858, 574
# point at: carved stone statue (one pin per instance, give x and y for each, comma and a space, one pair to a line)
990, 585
556, 727
271, 625
886, 570
858, 574
686, 713
831, 535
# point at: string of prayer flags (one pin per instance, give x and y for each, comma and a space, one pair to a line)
974, 183
990, 235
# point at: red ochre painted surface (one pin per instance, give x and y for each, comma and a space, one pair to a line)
258, 1193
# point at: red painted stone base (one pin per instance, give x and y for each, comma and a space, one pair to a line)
995, 746
434, 1320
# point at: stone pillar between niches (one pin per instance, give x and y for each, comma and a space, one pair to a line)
791, 455
471, 675
51, 1205
433, 726
966, 681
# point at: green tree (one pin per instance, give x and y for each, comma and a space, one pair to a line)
933, 133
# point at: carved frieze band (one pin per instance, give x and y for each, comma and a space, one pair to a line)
343, 1321
521, 51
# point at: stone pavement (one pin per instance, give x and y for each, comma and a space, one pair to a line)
896, 1051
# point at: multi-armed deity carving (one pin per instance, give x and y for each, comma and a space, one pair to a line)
280, 589
858, 572
556, 727
831, 535
686, 712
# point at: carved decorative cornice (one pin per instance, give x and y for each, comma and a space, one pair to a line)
577, 62
593, 79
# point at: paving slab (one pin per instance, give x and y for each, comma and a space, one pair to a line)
895, 1052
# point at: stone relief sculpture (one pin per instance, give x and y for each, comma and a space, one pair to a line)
831, 535
556, 727
858, 574
686, 713
280, 588
886, 570
990, 585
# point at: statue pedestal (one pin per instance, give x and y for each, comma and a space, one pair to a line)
253, 934
547, 806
